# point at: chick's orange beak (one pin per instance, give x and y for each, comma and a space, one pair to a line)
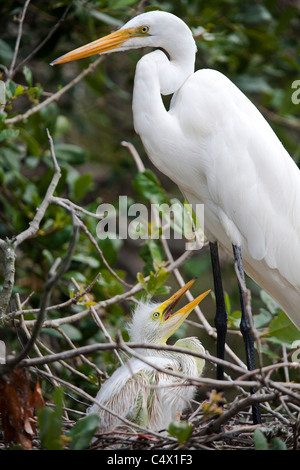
168, 306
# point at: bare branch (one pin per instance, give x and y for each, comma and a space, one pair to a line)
57, 95
240, 405
45, 40
99, 323
35, 223
19, 36
118, 298
9, 276
9, 246
52, 280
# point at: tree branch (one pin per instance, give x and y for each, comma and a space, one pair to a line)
9, 246
53, 278
55, 96
18, 40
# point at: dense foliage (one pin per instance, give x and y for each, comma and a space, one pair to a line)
256, 44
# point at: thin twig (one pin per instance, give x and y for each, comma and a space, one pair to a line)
37, 350
118, 298
45, 40
9, 246
246, 293
35, 223
240, 405
82, 393
57, 95
18, 40
53, 277
99, 323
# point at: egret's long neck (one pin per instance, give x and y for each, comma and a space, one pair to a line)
157, 75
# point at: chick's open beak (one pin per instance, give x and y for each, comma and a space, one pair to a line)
106, 44
168, 306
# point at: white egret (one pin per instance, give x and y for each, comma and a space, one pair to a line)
138, 391
221, 152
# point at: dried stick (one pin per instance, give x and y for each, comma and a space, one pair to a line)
18, 40
240, 405
99, 323
53, 277
102, 304
9, 246
45, 40
57, 95
82, 393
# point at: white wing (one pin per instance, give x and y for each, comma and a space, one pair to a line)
127, 393
138, 392
235, 165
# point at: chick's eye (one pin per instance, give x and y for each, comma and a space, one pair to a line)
155, 315
144, 29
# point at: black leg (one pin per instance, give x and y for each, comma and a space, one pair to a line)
221, 314
245, 327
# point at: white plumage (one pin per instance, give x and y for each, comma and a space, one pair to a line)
144, 392
141, 394
218, 148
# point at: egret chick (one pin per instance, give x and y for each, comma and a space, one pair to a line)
137, 390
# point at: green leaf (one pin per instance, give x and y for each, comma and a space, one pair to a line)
83, 431
234, 319
260, 440
6, 52
82, 185
277, 444
283, 330
120, 4
90, 261
72, 332
161, 277
8, 134
227, 303
33, 145
30, 194
69, 153
151, 254
269, 302
147, 185
163, 290
28, 75
154, 250
50, 423
255, 14
262, 443
262, 319
19, 91
182, 430
10, 89
141, 280
62, 125
99, 15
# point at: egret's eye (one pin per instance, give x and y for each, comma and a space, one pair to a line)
144, 29
155, 315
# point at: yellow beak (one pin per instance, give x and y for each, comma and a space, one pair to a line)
169, 321
106, 44
167, 306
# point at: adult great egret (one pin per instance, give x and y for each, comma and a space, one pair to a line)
222, 153
145, 394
